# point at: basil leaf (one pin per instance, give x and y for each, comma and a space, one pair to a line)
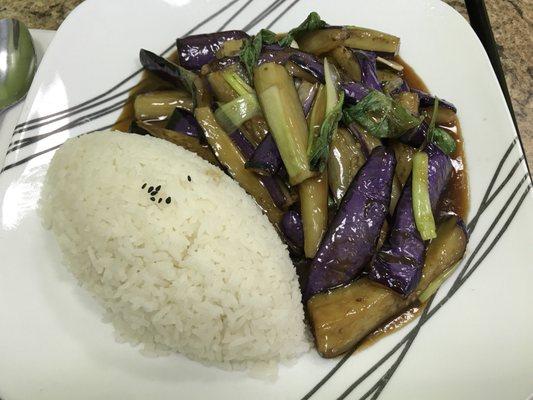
381, 116
320, 149
311, 23
252, 49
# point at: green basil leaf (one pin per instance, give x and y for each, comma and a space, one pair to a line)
311, 23
252, 49
381, 116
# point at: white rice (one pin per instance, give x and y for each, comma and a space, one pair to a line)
205, 275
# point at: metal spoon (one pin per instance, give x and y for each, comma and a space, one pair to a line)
17, 61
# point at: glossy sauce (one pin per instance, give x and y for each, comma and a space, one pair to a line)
455, 198
149, 82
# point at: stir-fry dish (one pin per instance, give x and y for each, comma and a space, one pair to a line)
359, 169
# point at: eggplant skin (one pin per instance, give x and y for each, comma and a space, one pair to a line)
266, 159
427, 100
398, 265
196, 50
350, 241
292, 227
342, 317
161, 67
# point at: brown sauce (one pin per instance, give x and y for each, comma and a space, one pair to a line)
394, 324
455, 198
148, 83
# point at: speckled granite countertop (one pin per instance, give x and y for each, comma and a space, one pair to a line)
512, 22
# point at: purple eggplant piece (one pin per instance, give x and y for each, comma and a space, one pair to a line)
416, 136
404, 87
367, 62
135, 128
281, 55
279, 197
184, 122
266, 159
197, 50
307, 102
368, 142
351, 239
309, 63
274, 53
246, 148
427, 100
220, 64
292, 227
161, 67
398, 264
354, 92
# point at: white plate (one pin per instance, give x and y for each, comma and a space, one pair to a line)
53, 344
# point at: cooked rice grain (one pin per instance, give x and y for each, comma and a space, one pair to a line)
205, 275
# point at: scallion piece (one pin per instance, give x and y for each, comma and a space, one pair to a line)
320, 147
284, 114
424, 220
439, 136
237, 83
234, 113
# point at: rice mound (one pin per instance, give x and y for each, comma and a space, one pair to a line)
201, 271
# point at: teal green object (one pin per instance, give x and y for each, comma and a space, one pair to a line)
17, 61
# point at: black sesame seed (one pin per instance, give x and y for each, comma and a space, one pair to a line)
160, 200
143, 186
189, 178
168, 200
150, 189
152, 198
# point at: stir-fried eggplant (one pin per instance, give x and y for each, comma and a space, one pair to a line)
323, 40
266, 159
322, 126
197, 50
372, 40
345, 159
343, 317
292, 227
277, 190
354, 92
398, 265
284, 114
367, 65
427, 100
161, 104
233, 162
404, 161
368, 142
184, 121
409, 101
346, 59
306, 93
350, 241
166, 70
314, 210
188, 142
